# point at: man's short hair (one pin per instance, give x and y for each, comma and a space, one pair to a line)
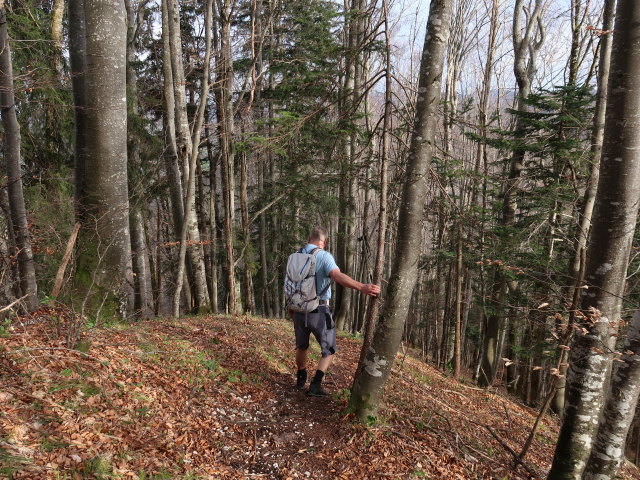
318, 233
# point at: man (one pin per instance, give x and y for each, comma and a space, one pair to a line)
320, 322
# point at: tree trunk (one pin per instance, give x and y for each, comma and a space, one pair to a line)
190, 223
247, 282
371, 378
457, 347
143, 304
78, 61
607, 453
213, 227
614, 221
578, 262
186, 149
171, 155
13, 157
374, 303
226, 130
57, 12
104, 263
526, 48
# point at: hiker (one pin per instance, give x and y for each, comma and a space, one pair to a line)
311, 313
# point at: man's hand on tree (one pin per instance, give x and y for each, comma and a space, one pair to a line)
370, 289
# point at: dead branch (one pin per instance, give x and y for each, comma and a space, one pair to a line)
57, 286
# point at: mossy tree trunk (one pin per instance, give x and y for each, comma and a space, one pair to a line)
104, 274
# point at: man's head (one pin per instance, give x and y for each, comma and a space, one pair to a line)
318, 237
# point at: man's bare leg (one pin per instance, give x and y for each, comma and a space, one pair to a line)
323, 363
301, 358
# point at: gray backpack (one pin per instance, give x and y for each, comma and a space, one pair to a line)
300, 282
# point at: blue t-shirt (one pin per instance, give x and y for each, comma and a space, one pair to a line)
325, 264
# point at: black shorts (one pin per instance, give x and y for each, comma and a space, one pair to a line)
322, 326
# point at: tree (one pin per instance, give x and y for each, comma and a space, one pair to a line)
11, 139
104, 265
143, 304
224, 80
78, 64
191, 179
185, 148
527, 41
614, 221
577, 264
372, 376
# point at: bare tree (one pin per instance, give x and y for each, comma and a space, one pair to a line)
372, 376
614, 221
527, 41
189, 212
143, 304
224, 81
185, 147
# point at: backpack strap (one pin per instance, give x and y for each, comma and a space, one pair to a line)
324, 290
314, 252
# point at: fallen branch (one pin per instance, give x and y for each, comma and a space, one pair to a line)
57, 285
542, 413
8, 307
516, 457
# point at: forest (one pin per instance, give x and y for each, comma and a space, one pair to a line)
477, 159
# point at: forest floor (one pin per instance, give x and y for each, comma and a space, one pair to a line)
214, 398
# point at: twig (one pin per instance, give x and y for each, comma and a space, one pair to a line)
542, 413
516, 458
82, 354
8, 307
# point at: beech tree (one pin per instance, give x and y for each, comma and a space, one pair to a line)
104, 265
527, 41
372, 375
614, 221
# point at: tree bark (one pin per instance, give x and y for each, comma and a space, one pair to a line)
13, 157
78, 61
185, 151
57, 12
371, 378
105, 236
190, 223
614, 221
577, 265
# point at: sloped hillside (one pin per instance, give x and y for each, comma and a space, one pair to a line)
213, 398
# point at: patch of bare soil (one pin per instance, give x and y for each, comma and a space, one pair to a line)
214, 398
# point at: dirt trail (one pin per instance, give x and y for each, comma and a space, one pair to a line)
214, 398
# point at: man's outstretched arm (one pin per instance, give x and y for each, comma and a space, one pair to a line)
346, 281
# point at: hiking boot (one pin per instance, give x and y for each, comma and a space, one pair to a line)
301, 379
316, 390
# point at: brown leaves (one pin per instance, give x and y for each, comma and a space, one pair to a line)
213, 398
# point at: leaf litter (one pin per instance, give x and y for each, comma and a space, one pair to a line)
214, 398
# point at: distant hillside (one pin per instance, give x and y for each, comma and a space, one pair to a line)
213, 398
